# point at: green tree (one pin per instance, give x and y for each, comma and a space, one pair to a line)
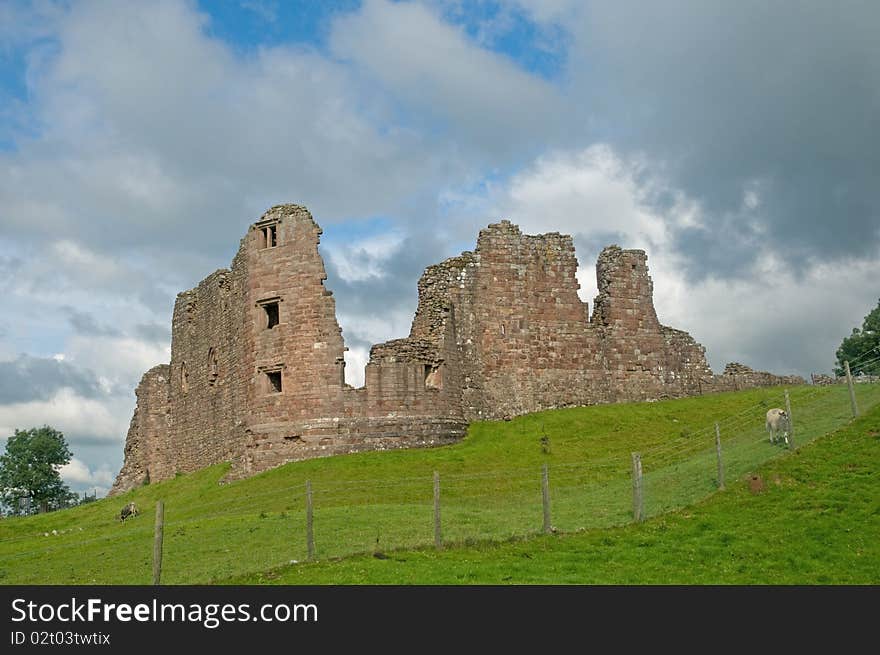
29, 469
862, 346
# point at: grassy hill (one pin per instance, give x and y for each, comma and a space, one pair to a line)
816, 522
491, 499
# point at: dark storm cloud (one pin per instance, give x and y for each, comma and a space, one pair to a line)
783, 98
29, 378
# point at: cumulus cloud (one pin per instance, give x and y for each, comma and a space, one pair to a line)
435, 69
768, 319
364, 259
150, 130
81, 419
79, 476
121, 360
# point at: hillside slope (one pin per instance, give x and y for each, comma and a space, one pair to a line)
817, 521
490, 490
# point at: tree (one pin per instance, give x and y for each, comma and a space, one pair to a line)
29, 469
862, 348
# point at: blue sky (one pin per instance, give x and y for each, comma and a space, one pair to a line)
735, 142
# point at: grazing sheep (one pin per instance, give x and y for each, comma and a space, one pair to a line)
777, 421
129, 510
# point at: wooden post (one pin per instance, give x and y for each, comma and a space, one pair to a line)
310, 534
718, 452
157, 542
545, 497
790, 420
638, 501
852, 391
438, 536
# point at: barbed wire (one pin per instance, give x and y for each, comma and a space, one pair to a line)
864, 364
857, 362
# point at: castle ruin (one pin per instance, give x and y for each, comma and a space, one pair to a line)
257, 378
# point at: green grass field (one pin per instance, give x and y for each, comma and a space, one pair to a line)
816, 522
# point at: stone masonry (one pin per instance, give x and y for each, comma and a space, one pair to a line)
257, 370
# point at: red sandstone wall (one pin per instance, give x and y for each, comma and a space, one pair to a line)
524, 332
316, 413
644, 360
208, 384
147, 448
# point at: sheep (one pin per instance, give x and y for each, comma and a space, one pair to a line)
778, 421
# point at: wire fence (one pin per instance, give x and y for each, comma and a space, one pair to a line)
219, 539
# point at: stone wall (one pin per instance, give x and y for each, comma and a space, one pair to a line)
257, 371
147, 447
738, 376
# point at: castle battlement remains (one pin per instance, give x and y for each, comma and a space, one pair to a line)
257, 370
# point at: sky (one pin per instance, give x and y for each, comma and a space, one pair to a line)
737, 143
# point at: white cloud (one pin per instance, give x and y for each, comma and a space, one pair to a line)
356, 358
591, 190
433, 67
364, 259
594, 195
360, 332
391, 324
79, 418
772, 319
149, 130
78, 473
120, 361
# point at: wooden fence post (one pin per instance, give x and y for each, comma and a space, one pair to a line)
158, 536
545, 497
718, 453
310, 534
852, 391
790, 420
438, 536
638, 500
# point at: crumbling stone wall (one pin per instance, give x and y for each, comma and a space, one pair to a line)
257, 371
147, 447
738, 376
520, 326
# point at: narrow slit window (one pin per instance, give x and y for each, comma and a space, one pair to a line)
274, 381
213, 367
184, 378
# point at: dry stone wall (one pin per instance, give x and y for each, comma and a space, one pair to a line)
257, 370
